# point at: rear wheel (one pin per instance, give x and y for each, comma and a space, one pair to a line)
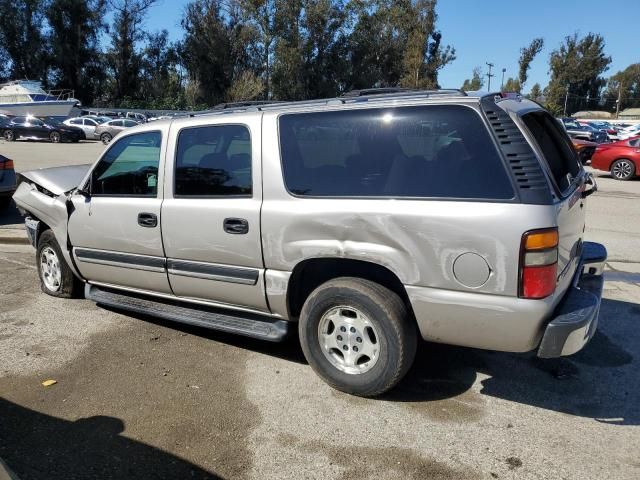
105, 138
55, 137
56, 278
623, 169
9, 135
357, 336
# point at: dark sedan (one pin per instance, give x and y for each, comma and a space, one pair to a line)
34, 128
7, 181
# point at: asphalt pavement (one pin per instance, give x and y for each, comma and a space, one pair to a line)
138, 397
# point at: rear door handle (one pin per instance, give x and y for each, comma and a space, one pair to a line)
149, 220
236, 226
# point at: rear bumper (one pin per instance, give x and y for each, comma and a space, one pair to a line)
576, 318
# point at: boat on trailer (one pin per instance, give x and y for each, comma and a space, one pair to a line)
28, 98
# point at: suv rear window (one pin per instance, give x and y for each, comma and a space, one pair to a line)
431, 151
555, 146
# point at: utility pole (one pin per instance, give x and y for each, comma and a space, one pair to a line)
566, 99
489, 75
502, 83
618, 100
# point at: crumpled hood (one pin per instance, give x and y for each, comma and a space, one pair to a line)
58, 180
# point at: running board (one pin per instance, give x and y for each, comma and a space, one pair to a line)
249, 325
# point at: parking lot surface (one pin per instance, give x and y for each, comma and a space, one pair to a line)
141, 398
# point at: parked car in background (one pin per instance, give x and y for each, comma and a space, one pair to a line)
628, 132
583, 132
138, 117
612, 133
265, 220
87, 124
621, 158
97, 118
107, 130
36, 129
584, 148
7, 181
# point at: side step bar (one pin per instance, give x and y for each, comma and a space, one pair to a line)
249, 325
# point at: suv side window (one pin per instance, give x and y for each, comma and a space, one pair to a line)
129, 168
555, 146
213, 160
425, 151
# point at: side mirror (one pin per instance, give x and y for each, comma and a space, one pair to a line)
83, 192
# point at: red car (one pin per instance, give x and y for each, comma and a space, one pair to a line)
621, 158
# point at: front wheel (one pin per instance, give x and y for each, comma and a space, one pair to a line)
623, 169
9, 135
357, 335
55, 137
105, 138
56, 278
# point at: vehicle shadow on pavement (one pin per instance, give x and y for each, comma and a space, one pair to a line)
289, 349
600, 382
10, 215
39, 446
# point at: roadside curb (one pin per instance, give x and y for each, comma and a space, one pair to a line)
13, 236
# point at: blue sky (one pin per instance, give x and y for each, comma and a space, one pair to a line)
495, 30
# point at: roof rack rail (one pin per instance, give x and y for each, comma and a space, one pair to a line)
248, 103
376, 91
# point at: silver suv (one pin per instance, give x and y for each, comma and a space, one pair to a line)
363, 221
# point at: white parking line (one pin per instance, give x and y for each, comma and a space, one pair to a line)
16, 262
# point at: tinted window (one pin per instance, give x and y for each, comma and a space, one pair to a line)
435, 151
90, 122
36, 122
213, 161
130, 167
116, 123
555, 146
19, 120
76, 122
130, 123
635, 142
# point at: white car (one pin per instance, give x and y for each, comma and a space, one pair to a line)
632, 131
88, 126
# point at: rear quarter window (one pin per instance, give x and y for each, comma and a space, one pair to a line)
432, 152
555, 146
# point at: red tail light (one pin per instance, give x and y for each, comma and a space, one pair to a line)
538, 263
6, 165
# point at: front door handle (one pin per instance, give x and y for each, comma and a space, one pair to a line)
236, 226
149, 220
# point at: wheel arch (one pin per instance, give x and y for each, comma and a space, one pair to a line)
310, 273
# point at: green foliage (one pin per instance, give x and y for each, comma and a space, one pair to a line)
576, 66
624, 85
527, 54
511, 85
536, 93
476, 82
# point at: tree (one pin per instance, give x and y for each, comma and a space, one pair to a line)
206, 51
161, 82
576, 69
536, 92
476, 82
126, 33
527, 54
75, 27
424, 55
246, 86
22, 37
624, 86
512, 85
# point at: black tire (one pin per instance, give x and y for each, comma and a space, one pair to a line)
105, 138
9, 135
69, 285
55, 137
394, 328
623, 169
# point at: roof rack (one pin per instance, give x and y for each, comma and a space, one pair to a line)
355, 96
